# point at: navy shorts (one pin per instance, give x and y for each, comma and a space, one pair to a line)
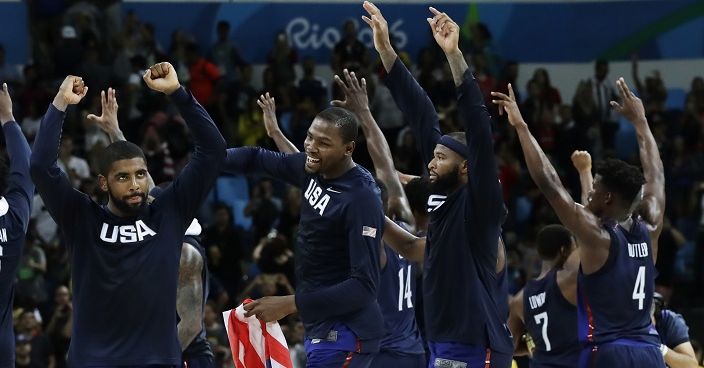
456, 355
386, 359
340, 349
203, 361
621, 355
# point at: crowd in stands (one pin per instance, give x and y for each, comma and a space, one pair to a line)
250, 223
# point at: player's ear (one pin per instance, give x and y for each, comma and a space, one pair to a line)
103, 183
349, 148
464, 169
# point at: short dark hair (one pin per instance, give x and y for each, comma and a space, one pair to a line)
601, 62
343, 119
620, 177
223, 24
116, 151
551, 240
459, 137
418, 190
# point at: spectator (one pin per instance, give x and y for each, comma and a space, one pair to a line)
41, 352
225, 55
550, 94
603, 92
674, 334
312, 87
349, 53
60, 325
23, 353
263, 208
31, 285
204, 76
217, 336
75, 167
229, 243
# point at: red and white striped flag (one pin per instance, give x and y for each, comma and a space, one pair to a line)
254, 343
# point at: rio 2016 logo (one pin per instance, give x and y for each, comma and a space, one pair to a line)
303, 34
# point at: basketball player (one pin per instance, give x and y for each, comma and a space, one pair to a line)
125, 255
466, 324
193, 276
617, 250
18, 191
552, 297
401, 345
337, 255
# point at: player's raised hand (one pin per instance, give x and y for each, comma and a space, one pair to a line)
445, 31
268, 105
508, 104
380, 27
71, 92
582, 161
107, 121
356, 99
161, 77
631, 106
5, 105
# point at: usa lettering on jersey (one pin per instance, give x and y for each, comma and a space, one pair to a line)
314, 198
3, 236
639, 250
536, 301
125, 233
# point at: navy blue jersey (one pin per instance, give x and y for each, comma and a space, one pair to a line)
14, 218
552, 322
465, 299
397, 287
337, 247
199, 346
614, 302
672, 328
124, 270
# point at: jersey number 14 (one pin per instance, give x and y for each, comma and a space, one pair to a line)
404, 291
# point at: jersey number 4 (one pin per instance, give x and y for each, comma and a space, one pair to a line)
404, 291
638, 293
543, 317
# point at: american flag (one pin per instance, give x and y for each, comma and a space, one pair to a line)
255, 344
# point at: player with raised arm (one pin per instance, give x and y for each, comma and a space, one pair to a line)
464, 326
546, 308
17, 193
125, 254
617, 249
402, 344
337, 255
192, 291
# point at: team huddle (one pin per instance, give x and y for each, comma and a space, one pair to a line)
139, 278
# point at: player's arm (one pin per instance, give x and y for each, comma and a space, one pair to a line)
681, 356
268, 105
20, 189
410, 98
53, 185
404, 243
259, 161
356, 100
653, 207
582, 161
192, 185
107, 121
517, 325
593, 240
364, 221
189, 295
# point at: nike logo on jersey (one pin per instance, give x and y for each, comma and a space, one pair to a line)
126, 233
333, 190
435, 201
314, 198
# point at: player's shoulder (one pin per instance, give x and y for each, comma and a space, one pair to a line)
672, 317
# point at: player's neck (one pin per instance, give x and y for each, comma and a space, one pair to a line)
340, 170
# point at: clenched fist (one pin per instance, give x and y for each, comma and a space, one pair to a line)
162, 77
